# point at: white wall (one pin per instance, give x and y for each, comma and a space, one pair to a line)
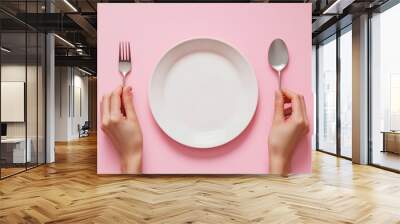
71, 93
62, 81
33, 127
81, 85
12, 101
16, 72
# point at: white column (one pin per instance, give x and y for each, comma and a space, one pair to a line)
360, 90
50, 94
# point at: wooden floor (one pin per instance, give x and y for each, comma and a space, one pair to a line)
69, 191
387, 159
5, 172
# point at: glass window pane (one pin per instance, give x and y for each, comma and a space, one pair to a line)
22, 88
32, 88
346, 94
327, 96
31, 97
385, 114
314, 85
41, 98
14, 153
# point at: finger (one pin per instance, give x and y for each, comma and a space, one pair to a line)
295, 100
105, 109
115, 110
304, 110
127, 98
288, 111
286, 99
279, 103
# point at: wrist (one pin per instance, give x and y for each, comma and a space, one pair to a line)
131, 162
278, 166
279, 162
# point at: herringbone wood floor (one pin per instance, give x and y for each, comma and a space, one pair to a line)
69, 191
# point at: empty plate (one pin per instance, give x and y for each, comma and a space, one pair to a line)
203, 93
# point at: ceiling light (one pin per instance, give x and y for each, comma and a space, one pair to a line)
337, 7
64, 40
84, 71
70, 5
333, 6
5, 50
79, 51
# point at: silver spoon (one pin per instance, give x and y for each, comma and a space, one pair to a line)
278, 56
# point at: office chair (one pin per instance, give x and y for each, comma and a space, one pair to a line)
84, 130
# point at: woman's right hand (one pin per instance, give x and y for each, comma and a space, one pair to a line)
290, 124
120, 124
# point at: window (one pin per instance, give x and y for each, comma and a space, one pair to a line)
22, 77
335, 74
327, 96
346, 93
314, 87
385, 89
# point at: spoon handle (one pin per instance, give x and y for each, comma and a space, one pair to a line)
279, 75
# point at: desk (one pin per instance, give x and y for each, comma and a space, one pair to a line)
391, 141
15, 148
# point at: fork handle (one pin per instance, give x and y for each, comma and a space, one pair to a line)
123, 81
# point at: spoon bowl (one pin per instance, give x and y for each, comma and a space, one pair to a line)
278, 56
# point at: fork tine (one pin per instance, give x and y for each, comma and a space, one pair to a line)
120, 52
125, 53
129, 51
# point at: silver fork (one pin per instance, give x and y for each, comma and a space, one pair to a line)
124, 64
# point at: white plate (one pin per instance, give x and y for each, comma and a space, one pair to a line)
203, 93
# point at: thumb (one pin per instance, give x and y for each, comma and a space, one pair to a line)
127, 99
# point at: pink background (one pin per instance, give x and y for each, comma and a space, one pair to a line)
155, 28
